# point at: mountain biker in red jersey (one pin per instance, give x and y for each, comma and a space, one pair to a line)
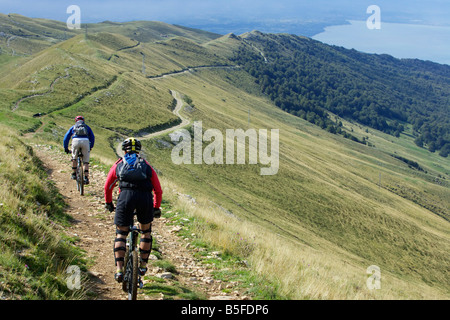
137, 179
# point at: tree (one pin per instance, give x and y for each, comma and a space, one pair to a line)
419, 141
445, 151
432, 146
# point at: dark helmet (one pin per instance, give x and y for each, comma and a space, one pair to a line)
131, 145
78, 118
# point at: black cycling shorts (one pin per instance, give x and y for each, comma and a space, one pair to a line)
130, 200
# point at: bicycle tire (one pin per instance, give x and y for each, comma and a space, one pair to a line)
80, 170
133, 285
125, 277
77, 179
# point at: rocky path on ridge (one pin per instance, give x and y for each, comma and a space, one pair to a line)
94, 228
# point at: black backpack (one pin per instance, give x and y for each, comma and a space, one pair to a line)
134, 176
80, 129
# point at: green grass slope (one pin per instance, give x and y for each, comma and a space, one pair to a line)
23, 36
76, 76
326, 195
34, 250
151, 31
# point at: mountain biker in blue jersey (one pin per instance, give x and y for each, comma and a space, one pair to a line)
83, 140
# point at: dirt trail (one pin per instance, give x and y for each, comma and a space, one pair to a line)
52, 85
94, 227
184, 122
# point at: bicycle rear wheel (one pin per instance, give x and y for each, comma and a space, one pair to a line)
80, 177
133, 283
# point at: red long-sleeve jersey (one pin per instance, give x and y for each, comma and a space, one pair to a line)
111, 182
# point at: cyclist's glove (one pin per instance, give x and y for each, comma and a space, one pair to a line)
66, 150
109, 206
157, 213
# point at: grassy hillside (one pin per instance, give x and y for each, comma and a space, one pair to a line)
334, 208
326, 197
35, 252
151, 31
23, 36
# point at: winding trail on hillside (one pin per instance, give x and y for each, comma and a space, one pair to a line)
192, 69
184, 122
177, 96
256, 49
16, 105
124, 48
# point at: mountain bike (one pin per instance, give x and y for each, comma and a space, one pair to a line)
132, 279
80, 173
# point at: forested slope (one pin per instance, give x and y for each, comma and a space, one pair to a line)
308, 78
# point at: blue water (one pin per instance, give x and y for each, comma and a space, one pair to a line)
396, 39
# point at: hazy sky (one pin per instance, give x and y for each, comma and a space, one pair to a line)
226, 11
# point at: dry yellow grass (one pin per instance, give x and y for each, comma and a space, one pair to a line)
300, 271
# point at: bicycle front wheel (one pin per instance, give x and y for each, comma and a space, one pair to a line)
125, 279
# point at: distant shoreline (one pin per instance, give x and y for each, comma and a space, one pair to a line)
413, 41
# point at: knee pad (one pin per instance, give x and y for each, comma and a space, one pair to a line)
122, 233
121, 248
141, 251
